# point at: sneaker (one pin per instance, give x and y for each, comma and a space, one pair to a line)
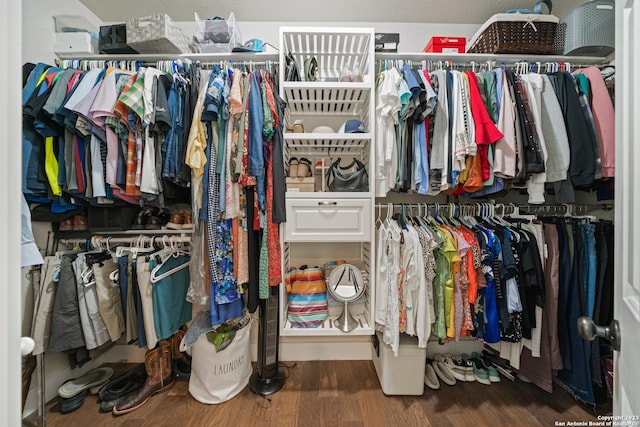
502, 367
481, 375
494, 375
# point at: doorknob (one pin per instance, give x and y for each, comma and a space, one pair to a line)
588, 330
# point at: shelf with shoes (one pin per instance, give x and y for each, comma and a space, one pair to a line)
329, 125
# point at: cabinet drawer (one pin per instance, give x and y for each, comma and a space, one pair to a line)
328, 220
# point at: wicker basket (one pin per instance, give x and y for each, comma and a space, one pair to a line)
516, 33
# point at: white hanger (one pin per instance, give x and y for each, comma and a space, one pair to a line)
87, 277
155, 277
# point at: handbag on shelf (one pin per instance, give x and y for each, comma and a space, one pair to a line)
355, 180
292, 73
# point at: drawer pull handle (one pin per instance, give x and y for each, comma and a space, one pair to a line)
327, 203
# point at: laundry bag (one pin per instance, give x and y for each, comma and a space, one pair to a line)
220, 371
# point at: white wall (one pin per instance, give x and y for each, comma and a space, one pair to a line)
413, 36
10, 119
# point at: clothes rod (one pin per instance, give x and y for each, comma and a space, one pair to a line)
83, 64
158, 239
529, 208
496, 59
202, 57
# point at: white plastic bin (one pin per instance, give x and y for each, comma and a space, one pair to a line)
402, 375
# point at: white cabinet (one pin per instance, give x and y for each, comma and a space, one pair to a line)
324, 226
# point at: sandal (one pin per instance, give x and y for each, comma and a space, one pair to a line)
304, 168
345, 75
293, 167
356, 75
430, 378
443, 373
298, 126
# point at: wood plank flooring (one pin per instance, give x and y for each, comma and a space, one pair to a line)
341, 393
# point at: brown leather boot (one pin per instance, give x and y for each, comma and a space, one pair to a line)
157, 363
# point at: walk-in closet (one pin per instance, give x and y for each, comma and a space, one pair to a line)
367, 213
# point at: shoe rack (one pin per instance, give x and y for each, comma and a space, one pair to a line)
324, 226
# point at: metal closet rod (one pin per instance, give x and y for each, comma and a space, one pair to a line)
577, 209
142, 240
81, 63
532, 66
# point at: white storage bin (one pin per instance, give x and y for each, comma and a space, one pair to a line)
74, 43
157, 34
402, 375
218, 35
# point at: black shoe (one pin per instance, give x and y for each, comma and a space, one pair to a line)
182, 368
72, 403
141, 220
117, 389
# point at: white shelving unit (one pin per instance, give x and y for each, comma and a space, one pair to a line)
327, 226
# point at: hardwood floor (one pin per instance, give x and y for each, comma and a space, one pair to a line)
342, 393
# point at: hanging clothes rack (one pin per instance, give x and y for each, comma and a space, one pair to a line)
504, 208
467, 60
134, 65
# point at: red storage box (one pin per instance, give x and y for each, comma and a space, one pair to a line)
446, 45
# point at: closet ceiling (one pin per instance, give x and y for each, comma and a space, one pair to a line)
425, 11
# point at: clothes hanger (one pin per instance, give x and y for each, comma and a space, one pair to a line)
155, 277
453, 209
88, 278
466, 219
379, 222
175, 251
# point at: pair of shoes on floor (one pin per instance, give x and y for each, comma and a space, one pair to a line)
455, 366
91, 381
118, 389
299, 168
72, 403
484, 373
503, 368
77, 223
157, 365
434, 372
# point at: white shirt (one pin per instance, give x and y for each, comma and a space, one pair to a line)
388, 107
